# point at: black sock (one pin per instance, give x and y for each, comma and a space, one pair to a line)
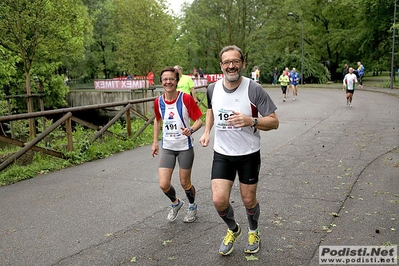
253, 217
191, 194
228, 217
171, 194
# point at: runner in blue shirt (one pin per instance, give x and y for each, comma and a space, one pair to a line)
295, 77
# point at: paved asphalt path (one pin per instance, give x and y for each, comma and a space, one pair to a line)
329, 176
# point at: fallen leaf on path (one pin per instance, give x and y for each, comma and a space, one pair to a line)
252, 257
166, 242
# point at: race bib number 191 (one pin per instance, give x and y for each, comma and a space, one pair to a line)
171, 129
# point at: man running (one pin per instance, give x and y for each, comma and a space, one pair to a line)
349, 82
234, 103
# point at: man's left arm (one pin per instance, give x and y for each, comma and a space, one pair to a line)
264, 123
267, 122
266, 108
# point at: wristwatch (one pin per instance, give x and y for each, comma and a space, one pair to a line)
254, 121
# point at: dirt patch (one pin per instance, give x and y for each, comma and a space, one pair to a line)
25, 159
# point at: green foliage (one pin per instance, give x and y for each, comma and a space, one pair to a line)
21, 129
334, 32
87, 39
7, 70
55, 92
141, 38
39, 36
3, 108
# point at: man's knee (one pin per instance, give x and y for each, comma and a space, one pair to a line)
249, 202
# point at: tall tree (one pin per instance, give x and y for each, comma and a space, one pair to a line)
100, 61
143, 30
211, 24
42, 31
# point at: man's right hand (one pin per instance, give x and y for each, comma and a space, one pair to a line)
204, 140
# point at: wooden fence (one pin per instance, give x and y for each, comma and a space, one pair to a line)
67, 118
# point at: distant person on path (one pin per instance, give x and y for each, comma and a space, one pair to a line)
274, 74
175, 109
360, 72
295, 77
344, 72
284, 81
233, 106
186, 84
349, 82
288, 73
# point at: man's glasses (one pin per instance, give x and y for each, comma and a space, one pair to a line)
168, 79
235, 62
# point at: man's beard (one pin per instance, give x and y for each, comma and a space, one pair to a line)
234, 78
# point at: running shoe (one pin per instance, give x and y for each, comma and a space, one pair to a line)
284, 100
253, 244
227, 245
350, 105
191, 213
294, 99
174, 210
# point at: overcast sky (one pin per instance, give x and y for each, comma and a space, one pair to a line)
175, 4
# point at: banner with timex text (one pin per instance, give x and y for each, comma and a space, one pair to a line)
123, 83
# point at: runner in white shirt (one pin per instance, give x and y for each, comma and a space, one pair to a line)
349, 81
233, 106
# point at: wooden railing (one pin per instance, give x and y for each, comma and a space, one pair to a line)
68, 117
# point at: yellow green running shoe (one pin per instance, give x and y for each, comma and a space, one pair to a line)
253, 244
227, 245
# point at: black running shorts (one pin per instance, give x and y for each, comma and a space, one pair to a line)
226, 167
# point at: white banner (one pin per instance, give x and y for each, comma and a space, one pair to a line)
123, 83
113, 84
